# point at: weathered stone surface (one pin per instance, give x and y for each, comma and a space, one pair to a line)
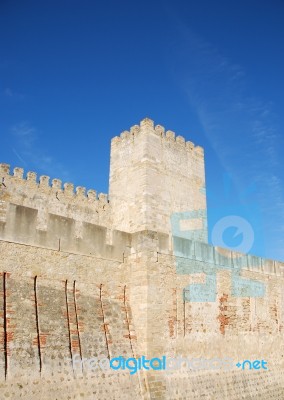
83, 276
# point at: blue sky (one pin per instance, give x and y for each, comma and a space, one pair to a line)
76, 73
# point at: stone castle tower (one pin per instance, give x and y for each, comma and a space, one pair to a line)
131, 274
152, 175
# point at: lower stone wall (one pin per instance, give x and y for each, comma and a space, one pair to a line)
247, 385
113, 385
57, 308
48, 323
48, 327
63, 386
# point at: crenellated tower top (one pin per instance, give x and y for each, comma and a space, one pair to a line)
146, 126
153, 174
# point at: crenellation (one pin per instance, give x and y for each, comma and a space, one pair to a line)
180, 140
81, 193
147, 126
199, 151
160, 130
4, 169
44, 199
147, 123
115, 140
189, 145
31, 177
103, 198
125, 135
44, 181
169, 178
134, 130
68, 189
56, 184
18, 172
92, 195
170, 135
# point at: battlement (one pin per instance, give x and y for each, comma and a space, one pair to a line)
53, 215
147, 125
44, 186
192, 256
154, 173
83, 275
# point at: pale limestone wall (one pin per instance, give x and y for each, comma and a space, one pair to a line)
60, 305
152, 175
81, 276
133, 308
52, 199
52, 322
22, 225
236, 327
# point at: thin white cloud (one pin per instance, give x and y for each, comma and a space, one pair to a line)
19, 157
241, 128
27, 148
8, 92
12, 95
25, 135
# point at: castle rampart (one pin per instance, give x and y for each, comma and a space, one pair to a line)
52, 198
85, 276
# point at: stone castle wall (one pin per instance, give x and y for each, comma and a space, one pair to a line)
84, 276
58, 306
33, 212
52, 199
